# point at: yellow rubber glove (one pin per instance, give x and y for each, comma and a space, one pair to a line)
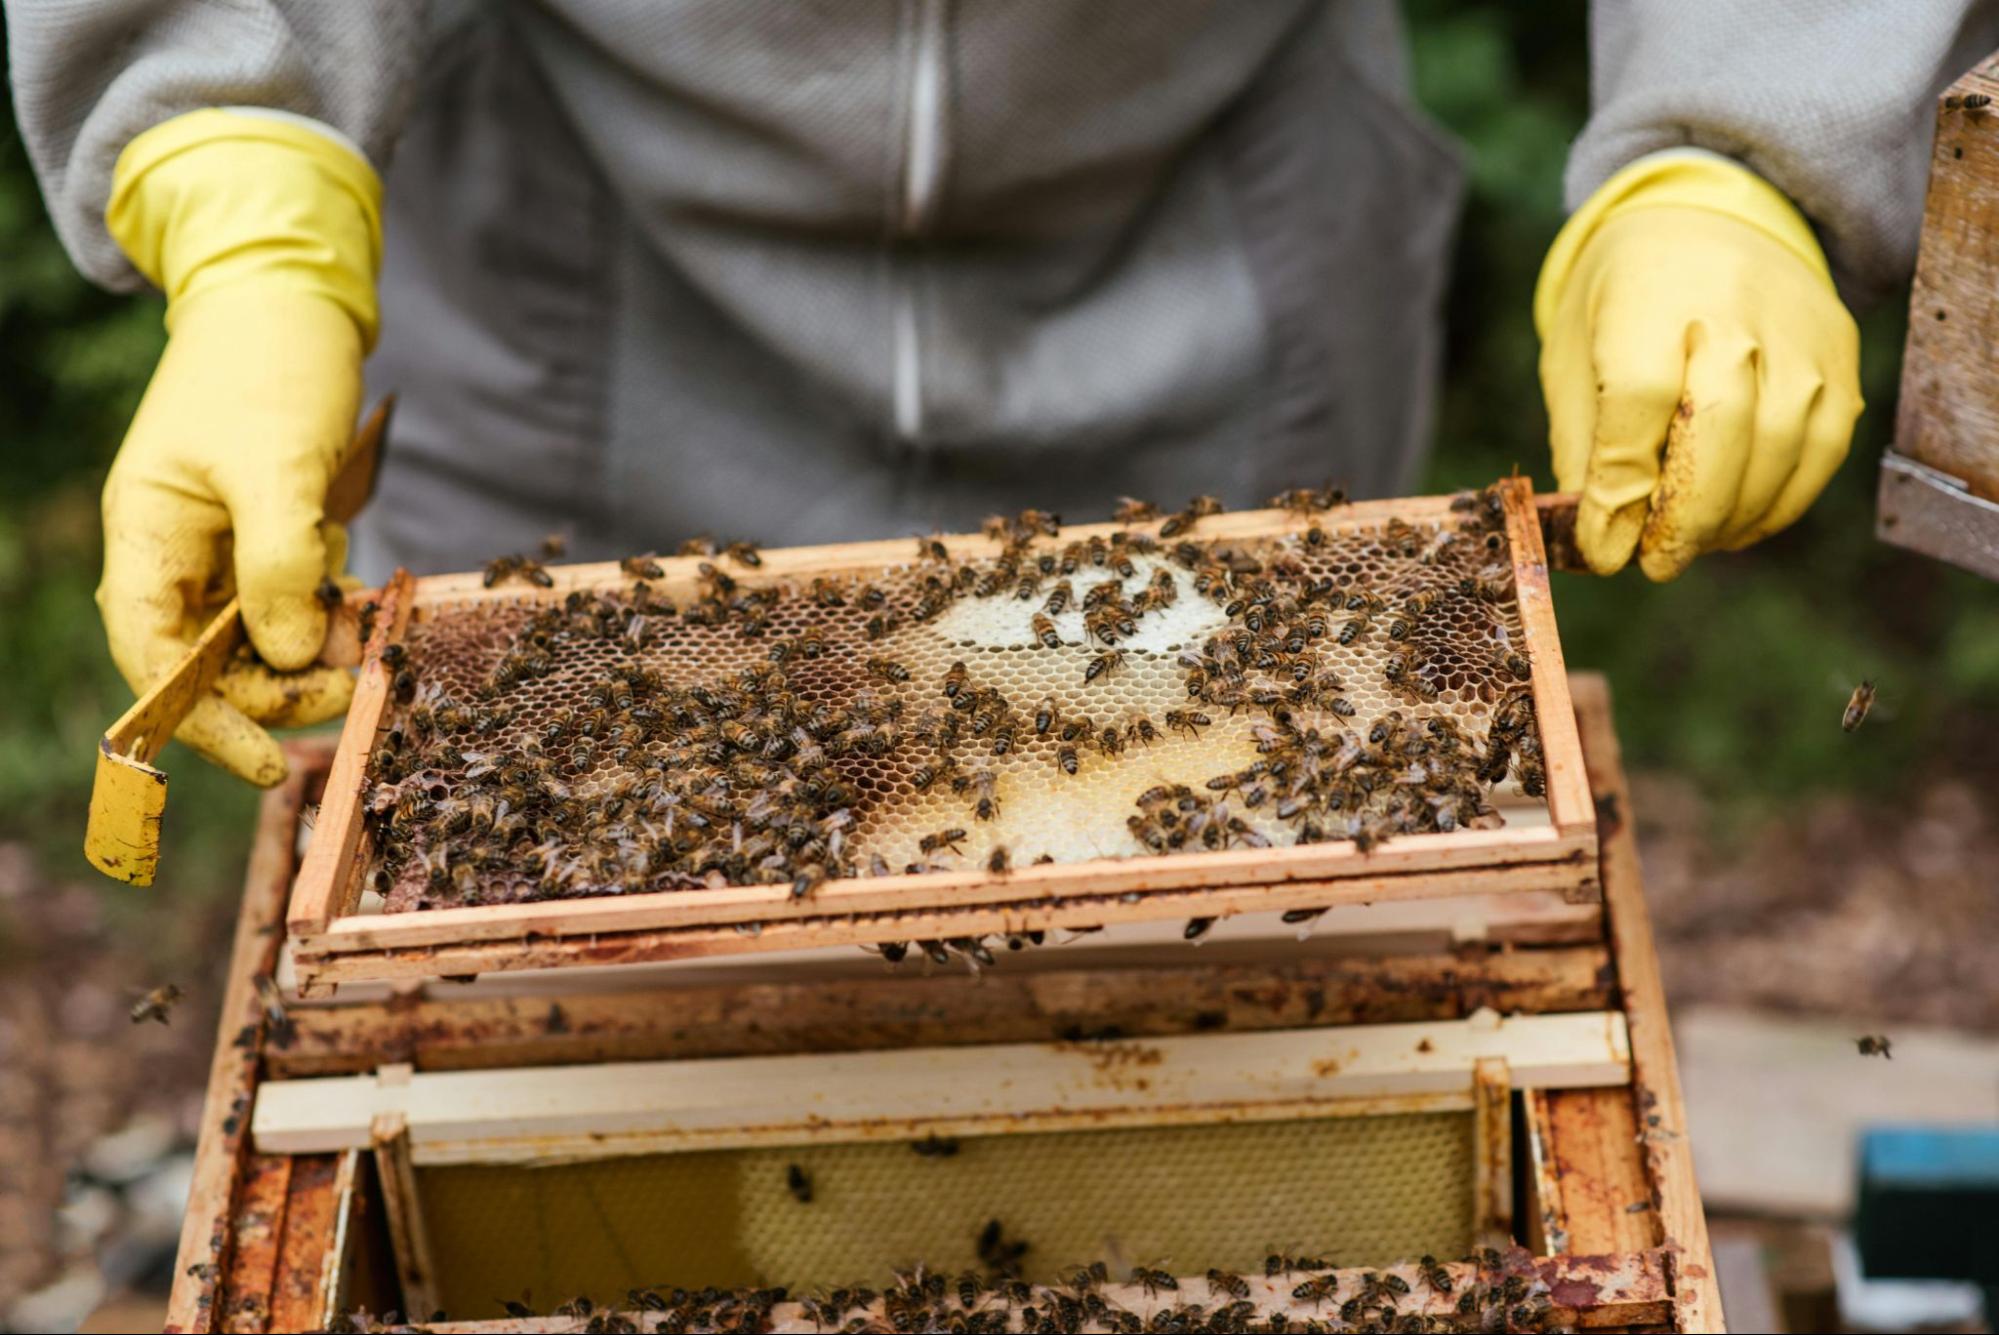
1702, 376
265, 236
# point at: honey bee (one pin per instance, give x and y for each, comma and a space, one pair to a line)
1110, 741
1317, 1290
743, 553
798, 1184
955, 679
887, 670
1223, 1281
156, 1004
999, 863
1857, 706
932, 548
808, 879
1103, 665
950, 839
984, 784
1152, 1281
1870, 1045
642, 567
1187, 721
1197, 509
1434, 1274
1354, 627
1065, 755
1196, 929
1044, 631
1141, 730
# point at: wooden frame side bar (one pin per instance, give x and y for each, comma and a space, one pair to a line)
1561, 748
328, 882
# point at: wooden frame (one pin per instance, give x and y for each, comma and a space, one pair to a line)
908, 1093
1610, 1148
333, 942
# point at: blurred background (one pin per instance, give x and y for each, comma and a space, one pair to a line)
1795, 871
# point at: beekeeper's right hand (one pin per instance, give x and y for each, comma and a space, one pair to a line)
265, 235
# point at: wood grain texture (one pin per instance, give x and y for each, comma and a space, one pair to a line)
904, 1094
580, 1026
1659, 1104
1568, 785
310, 1244
329, 876
203, 1254
1948, 411
1593, 1149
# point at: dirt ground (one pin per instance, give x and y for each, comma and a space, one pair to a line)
1817, 912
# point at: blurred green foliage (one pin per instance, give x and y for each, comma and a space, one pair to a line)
1735, 675
73, 362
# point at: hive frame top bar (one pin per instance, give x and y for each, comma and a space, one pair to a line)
327, 929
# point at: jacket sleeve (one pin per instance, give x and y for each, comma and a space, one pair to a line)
1831, 101
90, 75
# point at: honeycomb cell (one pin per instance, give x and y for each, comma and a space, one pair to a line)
548, 780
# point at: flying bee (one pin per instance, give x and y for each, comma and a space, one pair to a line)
1870, 1045
1187, 721
156, 1004
1044, 631
1857, 706
642, 567
887, 670
1103, 665
950, 839
955, 680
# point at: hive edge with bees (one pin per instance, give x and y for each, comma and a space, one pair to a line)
1099, 876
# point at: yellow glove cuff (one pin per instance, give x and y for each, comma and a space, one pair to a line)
1685, 178
217, 198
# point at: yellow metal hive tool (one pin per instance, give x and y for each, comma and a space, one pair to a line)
128, 797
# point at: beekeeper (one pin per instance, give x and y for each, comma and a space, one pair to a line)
825, 271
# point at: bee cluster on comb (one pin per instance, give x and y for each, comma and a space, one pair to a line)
1491, 1291
1139, 689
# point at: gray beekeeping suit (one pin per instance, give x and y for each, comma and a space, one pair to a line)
814, 271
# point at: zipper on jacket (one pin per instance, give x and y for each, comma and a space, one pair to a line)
922, 182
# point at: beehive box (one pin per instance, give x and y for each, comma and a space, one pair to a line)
1287, 728
460, 1147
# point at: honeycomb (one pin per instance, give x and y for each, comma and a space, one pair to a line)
546, 746
1360, 1190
